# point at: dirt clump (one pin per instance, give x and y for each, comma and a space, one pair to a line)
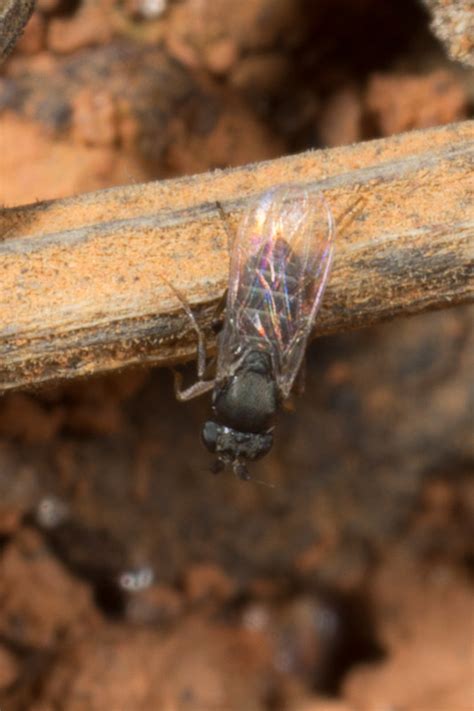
426, 628
403, 103
40, 602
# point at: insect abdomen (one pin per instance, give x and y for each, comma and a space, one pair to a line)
273, 298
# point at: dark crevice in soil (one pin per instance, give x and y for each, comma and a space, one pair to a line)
359, 645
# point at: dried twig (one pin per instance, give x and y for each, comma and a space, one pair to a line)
14, 14
81, 291
453, 23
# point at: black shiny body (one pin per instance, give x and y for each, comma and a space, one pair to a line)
245, 403
244, 406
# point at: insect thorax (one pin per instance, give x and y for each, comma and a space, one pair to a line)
244, 405
248, 400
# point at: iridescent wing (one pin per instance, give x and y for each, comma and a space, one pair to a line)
279, 267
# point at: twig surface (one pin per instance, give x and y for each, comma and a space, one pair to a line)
14, 14
82, 289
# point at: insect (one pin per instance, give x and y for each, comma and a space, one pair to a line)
279, 266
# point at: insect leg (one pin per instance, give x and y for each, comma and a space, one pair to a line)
217, 318
202, 386
351, 212
241, 471
199, 388
230, 237
201, 342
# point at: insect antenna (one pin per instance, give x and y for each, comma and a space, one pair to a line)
262, 483
242, 472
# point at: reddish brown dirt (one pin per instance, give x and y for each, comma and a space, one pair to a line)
129, 577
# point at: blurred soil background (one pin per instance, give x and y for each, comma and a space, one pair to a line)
130, 577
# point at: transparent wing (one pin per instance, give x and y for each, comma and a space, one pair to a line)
279, 267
